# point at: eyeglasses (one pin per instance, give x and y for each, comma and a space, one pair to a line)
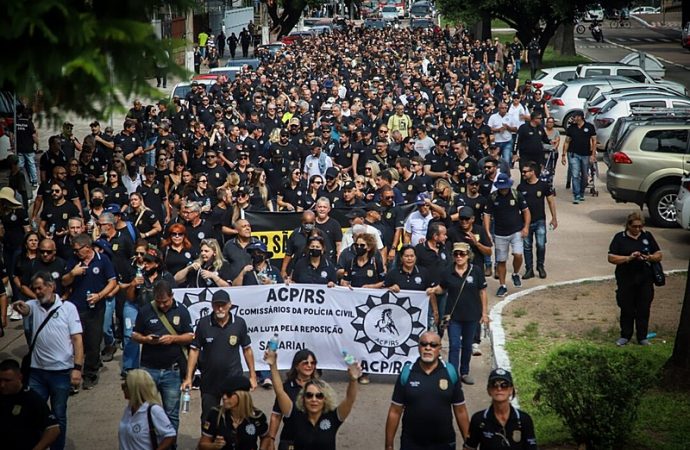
501, 385
638, 227
140, 253
456, 254
46, 252
388, 198
243, 157
308, 363
176, 234
56, 191
360, 245
112, 175
318, 182
464, 219
203, 181
317, 395
430, 344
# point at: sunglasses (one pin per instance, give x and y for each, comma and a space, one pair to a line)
317, 395
203, 181
456, 254
46, 252
140, 253
308, 363
318, 182
112, 175
176, 234
360, 245
243, 157
501, 385
56, 191
430, 344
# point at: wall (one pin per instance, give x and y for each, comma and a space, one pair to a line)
236, 19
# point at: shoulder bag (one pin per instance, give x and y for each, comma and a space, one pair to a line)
152, 428
26, 360
658, 276
166, 323
446, 318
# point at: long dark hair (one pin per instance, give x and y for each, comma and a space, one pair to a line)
300, 356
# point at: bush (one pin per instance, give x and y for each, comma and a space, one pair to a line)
595, 390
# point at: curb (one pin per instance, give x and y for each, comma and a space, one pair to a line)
498, 335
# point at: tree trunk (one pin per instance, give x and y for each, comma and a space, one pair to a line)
557, 40
677, 368
567, 47
485, 31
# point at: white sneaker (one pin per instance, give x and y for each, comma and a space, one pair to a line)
476, 351
13, 314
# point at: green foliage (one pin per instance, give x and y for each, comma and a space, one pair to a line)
83, 57
595, 390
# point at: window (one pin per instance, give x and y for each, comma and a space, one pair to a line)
565, 76
685, 106
665, 141
586, 91
597, 72
634, 74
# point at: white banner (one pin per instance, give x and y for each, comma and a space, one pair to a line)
379, 328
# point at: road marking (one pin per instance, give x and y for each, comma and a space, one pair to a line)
630, 49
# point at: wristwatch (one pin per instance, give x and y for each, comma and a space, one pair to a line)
78, 367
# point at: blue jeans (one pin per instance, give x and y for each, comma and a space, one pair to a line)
28, 160
54, 385
518, 65
460, 338
108, 336
130, 349
506, 151
168, 384
537, 232
579, 170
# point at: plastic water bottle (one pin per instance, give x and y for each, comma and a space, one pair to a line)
651, 335
51, 231
273, 343
550, 227
348, 358
140, 273
91, 305
186, 398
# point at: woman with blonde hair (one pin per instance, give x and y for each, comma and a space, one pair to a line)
260, 195
235, 423
371, 170
144, 408
209, 270
144, 220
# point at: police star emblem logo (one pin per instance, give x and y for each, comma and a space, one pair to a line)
232, 340
443, 384
388, 324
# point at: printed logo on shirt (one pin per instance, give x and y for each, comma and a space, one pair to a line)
325, 425
232, 340
176, 320
443, 384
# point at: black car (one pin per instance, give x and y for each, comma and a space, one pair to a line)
424, 23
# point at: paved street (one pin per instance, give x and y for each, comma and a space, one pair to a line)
576, 249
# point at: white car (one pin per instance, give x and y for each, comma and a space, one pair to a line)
595, 14
553, 76
644, 10
682, 203
389, 13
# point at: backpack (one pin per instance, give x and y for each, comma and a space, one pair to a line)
513, 191
407, 368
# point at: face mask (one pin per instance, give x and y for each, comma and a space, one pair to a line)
315, 252
257, 258
150, 272
97, 202
308, 227
360, 251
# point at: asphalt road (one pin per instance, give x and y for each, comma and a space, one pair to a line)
576, 249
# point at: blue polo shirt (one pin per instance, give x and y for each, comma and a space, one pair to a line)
97, 276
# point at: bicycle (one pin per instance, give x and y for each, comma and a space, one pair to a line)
620, 23
580, 28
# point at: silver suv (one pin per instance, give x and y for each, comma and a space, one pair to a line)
626, 70
647, 157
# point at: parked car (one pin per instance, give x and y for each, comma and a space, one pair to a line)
424, 23
685, 36
682, 203
296, 36
368, 9
182, 89
644, 10
647, 159
9, 102
421, 9
604, 93
570, 97
389, 13
399, 6
551, 77
375, 23
635, 73
624, 105
272, 48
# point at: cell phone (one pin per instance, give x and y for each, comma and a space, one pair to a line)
154, 336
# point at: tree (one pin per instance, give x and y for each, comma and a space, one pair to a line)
283, 23
677, 368
530, 18
83, 57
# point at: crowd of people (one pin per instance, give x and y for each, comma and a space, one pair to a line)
411, 134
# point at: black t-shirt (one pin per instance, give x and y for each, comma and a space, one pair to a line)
410, 188
580, 138
486, 432
369, 273
478, 204
117, 195
507, 212
195, 280
175, 261
162, 356
391, 219
291, 387
469, 305
154, 198
334, 233
14, 221
428, 401
530, 142
58, 215
636, 271
305, 273
314, 437
49, 160
535, 194
220, 349
244, 437
416, 280
434, 262
24, 417
204, 230
456, 234
55, 268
